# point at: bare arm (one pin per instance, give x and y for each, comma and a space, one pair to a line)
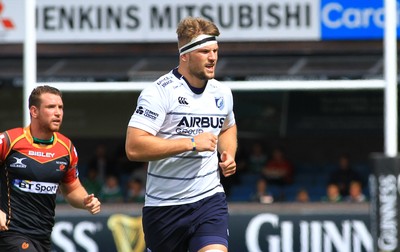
3, 221
227, 145
77, 196
143, 146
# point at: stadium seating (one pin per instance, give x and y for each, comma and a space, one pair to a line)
312, 177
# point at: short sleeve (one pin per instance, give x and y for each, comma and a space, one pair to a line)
4, 145
230, 118
72, 173
150, 111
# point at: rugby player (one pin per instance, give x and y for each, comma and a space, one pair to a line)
180, 125
35, 162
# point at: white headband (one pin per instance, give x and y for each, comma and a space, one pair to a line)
198, 42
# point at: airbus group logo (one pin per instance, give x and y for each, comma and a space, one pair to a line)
18, 163
5, 23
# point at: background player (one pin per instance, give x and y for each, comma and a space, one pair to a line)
180, 124
34, 162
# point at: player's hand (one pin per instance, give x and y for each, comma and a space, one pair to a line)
206, 142
227, 164
92, 204
3, 221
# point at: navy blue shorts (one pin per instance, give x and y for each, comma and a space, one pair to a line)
186, 227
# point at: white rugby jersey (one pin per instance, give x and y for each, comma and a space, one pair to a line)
170, 109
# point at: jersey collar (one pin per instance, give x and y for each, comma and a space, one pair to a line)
30, 138
194, 89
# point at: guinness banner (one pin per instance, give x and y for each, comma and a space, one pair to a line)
384, 186
312, 227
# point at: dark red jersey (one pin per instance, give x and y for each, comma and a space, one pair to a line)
30, 176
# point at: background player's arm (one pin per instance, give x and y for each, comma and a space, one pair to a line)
76, 196
3, 221
143, 146
227, 145
3, 217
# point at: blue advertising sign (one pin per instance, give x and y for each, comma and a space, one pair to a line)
355, 19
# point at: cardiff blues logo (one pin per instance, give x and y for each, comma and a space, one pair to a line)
219, 102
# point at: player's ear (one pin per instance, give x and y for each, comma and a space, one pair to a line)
184, 57
33, 110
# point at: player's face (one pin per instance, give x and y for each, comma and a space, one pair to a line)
50, 112
202, 62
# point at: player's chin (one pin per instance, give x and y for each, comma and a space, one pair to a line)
55, 127
209, 75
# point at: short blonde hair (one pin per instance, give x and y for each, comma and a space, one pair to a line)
191, 27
